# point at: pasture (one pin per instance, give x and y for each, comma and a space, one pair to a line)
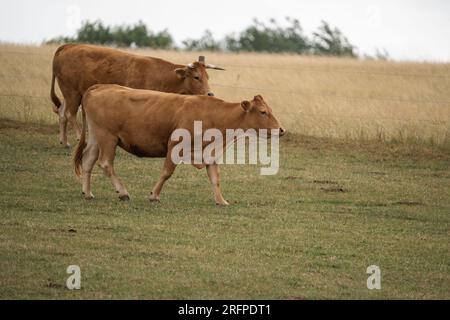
352, 191
322, 97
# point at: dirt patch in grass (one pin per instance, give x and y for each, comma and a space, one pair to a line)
334, 189
408, 203
325, 182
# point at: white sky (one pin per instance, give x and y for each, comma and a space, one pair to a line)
407, 29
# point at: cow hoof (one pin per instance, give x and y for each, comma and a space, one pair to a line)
222, 204
124, 197
154, 199
66, 145
87, 197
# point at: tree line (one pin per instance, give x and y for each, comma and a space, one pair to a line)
269, 37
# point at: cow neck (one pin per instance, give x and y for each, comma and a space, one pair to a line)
168, 80
172, 84
229, 117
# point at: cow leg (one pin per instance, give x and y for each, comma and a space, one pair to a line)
74, 122
213, 174
106, 162
63, 125
168, 169
68, 114
72, 104
90, 156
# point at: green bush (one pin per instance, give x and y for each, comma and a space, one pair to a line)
258, 37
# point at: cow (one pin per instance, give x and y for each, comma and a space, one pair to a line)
142, 122
76, 67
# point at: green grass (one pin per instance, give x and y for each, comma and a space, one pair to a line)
308, 232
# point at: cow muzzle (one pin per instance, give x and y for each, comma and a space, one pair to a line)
282, 132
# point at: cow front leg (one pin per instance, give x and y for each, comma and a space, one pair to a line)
213, 174
168, 169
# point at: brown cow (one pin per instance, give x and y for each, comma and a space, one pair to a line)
77, 67
142, 122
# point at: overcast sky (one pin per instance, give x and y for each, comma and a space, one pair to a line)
407, 29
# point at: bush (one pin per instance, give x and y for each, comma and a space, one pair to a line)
258, 37
122, 36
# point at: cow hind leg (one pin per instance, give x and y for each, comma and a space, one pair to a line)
168, 169
106, 162
68, 114
90, 156
71, 112
213, 174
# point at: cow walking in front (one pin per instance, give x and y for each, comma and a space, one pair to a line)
142, 122
76, 67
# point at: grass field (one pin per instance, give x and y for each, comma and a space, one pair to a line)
324, 97
309, 232
352, 191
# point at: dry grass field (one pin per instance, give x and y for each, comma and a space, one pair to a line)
364, 179
325, 97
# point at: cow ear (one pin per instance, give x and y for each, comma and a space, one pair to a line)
181, 72
246, 105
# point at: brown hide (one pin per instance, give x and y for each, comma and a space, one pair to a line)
76, 67
142, 122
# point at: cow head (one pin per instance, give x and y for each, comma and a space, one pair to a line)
258, 115
195, 78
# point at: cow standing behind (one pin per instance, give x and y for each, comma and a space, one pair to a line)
76, 67
142, 122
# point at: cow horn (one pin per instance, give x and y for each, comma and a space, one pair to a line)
190, 66
201, 59
211, 66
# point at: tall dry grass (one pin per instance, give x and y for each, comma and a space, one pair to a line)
331, 97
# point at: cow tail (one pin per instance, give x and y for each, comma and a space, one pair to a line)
78, 155
54, 97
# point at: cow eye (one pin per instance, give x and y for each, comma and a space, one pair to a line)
264, 113
197, 78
